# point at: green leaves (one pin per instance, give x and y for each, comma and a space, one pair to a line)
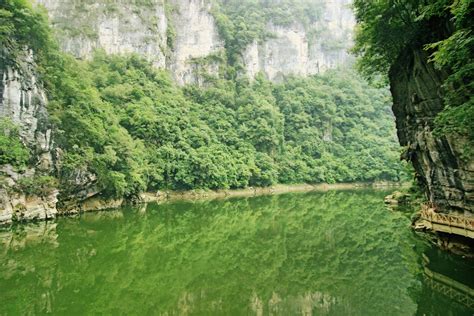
22, 26
143, 132
384, 29
12, 150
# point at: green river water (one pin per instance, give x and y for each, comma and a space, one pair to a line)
334, 253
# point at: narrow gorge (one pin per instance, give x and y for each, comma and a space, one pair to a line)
236, 157
245, 79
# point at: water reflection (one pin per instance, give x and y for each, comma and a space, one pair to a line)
335, 253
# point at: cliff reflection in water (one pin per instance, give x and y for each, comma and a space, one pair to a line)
335, 253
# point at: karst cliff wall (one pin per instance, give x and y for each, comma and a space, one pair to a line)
23, 101
295, 50
172, 34
446, 176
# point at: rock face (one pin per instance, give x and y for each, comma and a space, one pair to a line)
300, 50
447, 178
173, 33
23, 101
170, 35
196, 37
118, 27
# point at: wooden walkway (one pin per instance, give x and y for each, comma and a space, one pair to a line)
451, 224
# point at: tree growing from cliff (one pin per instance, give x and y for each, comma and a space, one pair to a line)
22, 26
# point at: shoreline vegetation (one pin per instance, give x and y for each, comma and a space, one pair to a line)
96, 204
258, 191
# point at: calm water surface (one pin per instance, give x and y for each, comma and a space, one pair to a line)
335, 253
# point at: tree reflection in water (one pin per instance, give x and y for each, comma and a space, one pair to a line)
334, 253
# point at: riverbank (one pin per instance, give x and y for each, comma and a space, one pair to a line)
248, 192
98, 203
33, 210
450, 231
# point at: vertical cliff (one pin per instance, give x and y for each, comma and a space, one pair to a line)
116, 27
173, 34
168, 33
304, 49
23, 102
445, 174
426, 48
196, 36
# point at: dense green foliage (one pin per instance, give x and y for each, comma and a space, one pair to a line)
129, 125
338, 128
12, 150
385, 28
136, 130
21, 26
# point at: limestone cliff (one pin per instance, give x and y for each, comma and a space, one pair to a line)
300, 50
173, 33
167, 34
447, 177
196, 36
23, 101
119, 27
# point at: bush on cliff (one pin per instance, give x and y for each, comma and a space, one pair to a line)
12, 150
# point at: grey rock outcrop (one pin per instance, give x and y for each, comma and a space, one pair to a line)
299, 50
119, 27
23, 101
196, 37
447, 178
170, 35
